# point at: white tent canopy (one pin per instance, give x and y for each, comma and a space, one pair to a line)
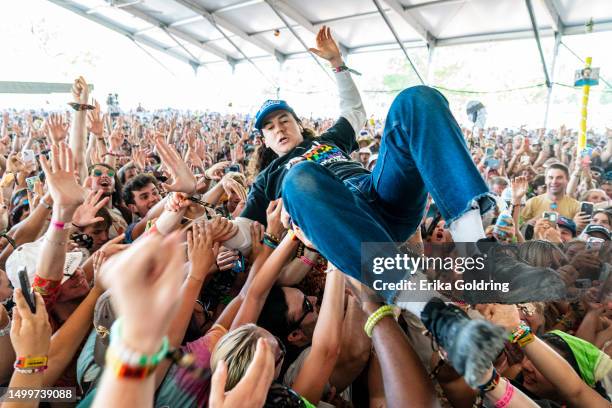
235, 31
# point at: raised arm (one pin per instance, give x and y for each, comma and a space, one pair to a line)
326, 340
549, 363
78, 133
67, 196
351, 107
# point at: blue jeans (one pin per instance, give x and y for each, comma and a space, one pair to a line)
422, 150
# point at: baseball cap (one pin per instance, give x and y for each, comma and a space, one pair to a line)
595, 228
567, 223
103, 319
365, 150
27, 256
269, 106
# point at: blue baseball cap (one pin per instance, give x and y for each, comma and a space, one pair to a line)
269, 106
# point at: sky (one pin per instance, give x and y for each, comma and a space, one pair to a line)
47, 43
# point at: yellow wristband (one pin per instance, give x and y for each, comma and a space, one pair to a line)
380, 313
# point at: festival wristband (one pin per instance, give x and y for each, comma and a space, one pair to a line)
81, 106
31, 362
307, 261
343, 68
507, 397
60, 225
491, 384
131, 357
122, 369
377, 316
522, 334
30, 370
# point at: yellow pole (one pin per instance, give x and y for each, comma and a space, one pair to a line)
583, 120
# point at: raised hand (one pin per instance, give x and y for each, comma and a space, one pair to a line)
60, 176
252, 390
80, 90
113, 246
232, 186
222, 229
57, 128
327, 48
257, 233
116, 138
215, 172
85, 214
200, 250
273, 214
95, 120
141, 279
183, 179
30, 332
519, 189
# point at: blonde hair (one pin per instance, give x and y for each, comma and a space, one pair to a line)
236, 348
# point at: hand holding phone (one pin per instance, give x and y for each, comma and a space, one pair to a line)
26, 289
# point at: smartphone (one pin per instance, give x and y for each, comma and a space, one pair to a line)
490, 151
28, 156
586, 208
26, 289
551, 216
31, 182
594, 243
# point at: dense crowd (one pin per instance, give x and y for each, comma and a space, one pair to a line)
198, 259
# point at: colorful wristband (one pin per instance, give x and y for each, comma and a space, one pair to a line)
521, 330
124, 370
377, 316
30, 370
31, 362
307, 261
507, 397
343, 68
491, 384
60, 225
131, 357
266, 241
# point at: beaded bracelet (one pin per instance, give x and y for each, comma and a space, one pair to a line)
522, 335
377, 316
519, 331
507, 397
131, 357
31, 362
6, 329
271, 237
266, 241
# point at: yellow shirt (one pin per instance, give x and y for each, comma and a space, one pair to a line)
535, 207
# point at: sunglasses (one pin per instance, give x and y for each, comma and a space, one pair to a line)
98, 173
307, 307
282, 353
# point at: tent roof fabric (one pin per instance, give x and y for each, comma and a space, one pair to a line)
202, 32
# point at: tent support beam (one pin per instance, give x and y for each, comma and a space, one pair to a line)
397, 39
558, 36
536, 33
